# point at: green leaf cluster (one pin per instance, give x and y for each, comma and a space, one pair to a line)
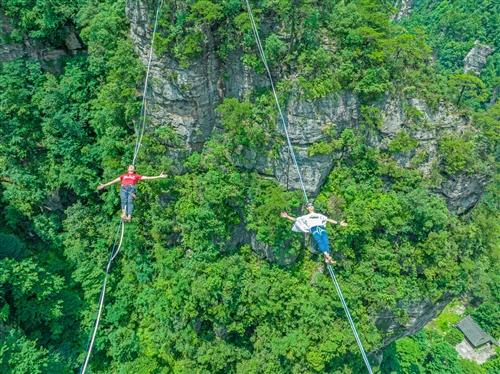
402, 142
186, 293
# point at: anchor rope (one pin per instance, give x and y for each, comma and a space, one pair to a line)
264, 60
138, 141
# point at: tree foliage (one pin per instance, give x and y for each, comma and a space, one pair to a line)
186, 293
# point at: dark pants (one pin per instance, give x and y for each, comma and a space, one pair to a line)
126, 195
321, 237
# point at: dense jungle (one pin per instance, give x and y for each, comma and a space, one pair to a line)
210, 278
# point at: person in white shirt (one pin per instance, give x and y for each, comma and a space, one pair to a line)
315, 223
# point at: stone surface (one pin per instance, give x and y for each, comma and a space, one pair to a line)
53, 202
476, 58
240, 236
306, 122
185, 100
420, 312
461, 192
72, 41
480, 356
405, 8
240, 79
10, 51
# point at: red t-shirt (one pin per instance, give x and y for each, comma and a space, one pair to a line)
130, 178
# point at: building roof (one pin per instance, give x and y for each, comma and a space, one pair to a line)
474, 334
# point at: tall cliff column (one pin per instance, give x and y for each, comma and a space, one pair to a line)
182, 98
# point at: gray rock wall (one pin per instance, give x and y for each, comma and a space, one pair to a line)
419, 312
461, 192
405, 8
476, 58
30, 48
185, 99
10, 51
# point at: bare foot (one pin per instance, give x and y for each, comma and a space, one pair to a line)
124, 216
328, 259
128, 218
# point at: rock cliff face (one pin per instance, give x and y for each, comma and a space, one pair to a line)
419, 312
461, 192
185, 99
476, 58
9, 51
305, 122
405, 8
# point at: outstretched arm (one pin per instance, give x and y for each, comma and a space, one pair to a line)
159, 176
343, 223
285, 215
101, 186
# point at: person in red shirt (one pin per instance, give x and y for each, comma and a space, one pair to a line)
128, 190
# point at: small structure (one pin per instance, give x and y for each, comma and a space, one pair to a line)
474, 334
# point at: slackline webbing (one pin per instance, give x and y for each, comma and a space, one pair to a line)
264, 60
285, 127
139, 135
90, 344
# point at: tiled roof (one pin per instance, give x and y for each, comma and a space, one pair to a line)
474, 334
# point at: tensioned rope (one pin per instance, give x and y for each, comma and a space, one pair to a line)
140, 132
351, 322
90, 344
142, 126
264, 60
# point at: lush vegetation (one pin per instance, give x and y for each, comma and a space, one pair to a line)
185, 295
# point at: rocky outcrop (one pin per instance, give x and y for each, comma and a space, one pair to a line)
462, 192
405, 8
414, 117
30, 48
185, 100
419, 313
9, 51
306, 122
476, 58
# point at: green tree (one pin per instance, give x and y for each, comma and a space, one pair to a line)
402, 142
470, 85
470, 367
454, 337
442, 358
487, 316
10, 247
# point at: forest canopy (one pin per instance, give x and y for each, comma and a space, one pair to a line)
186, 293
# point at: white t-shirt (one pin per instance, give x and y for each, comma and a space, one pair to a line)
305, 223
